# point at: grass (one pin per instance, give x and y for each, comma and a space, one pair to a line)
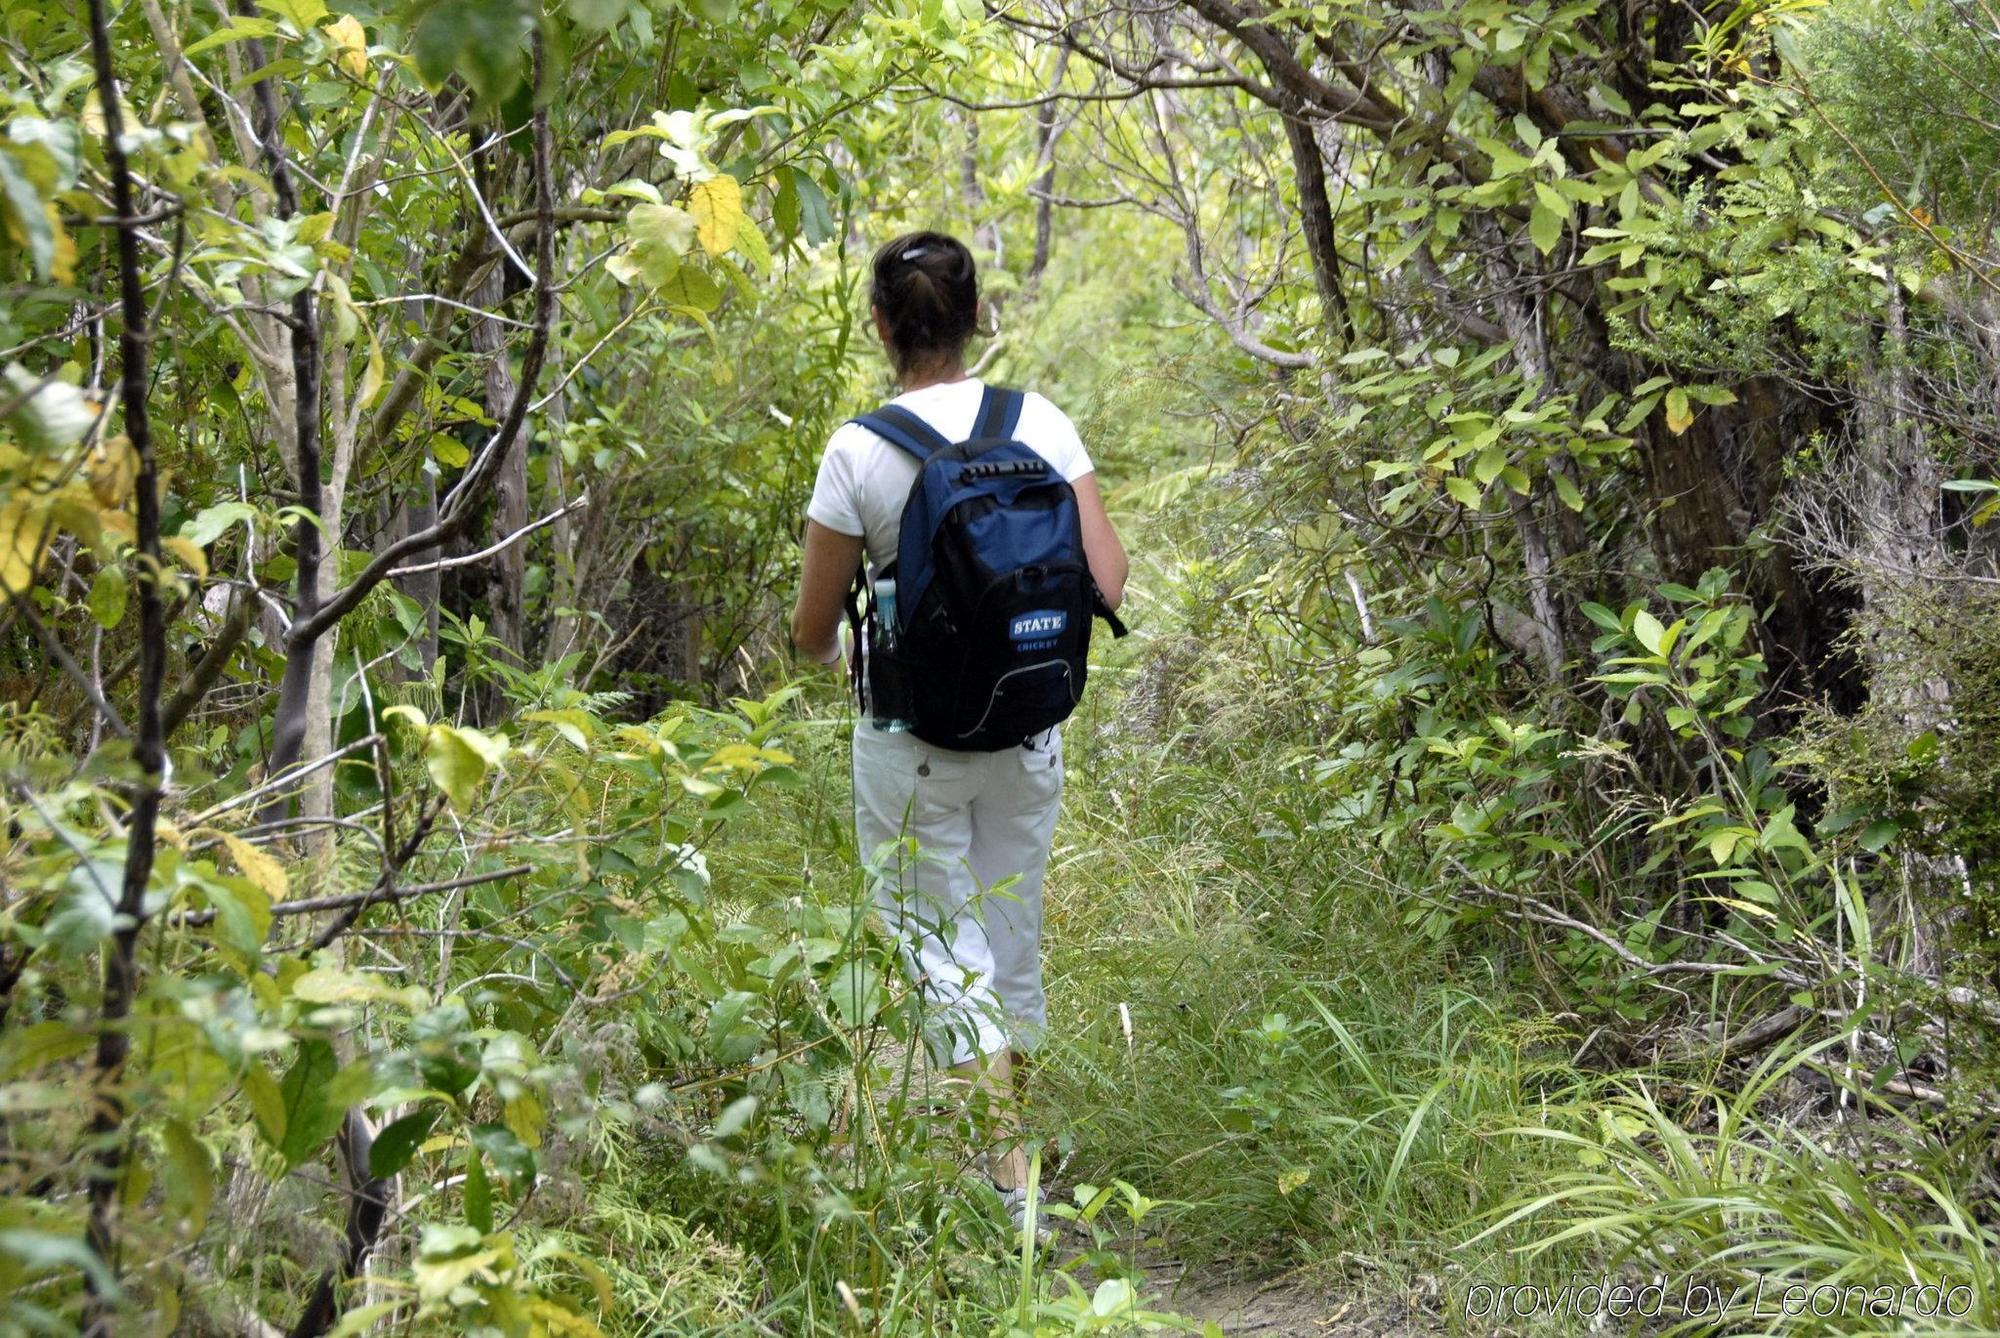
1255, 1067
1249, 1032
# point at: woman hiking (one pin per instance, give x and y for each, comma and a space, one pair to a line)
982, 814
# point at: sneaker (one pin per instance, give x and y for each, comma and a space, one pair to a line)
1016, 1203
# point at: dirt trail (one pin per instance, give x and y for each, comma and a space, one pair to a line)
1285, 1306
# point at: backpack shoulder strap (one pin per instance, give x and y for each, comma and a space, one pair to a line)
999, 413
904, 430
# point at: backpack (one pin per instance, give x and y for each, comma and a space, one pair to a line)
990, 631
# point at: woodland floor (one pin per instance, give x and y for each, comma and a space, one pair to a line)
1285, 1305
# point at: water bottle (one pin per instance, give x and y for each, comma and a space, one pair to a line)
885, 610
888, 680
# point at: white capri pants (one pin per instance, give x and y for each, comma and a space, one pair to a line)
976, 819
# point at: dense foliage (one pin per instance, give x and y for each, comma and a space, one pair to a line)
1547, 824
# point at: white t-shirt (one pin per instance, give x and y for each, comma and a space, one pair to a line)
864, 481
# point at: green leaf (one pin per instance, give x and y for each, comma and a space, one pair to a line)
478, 1194
731, 1038
856, 990
576, 726
301, 14
752, 245
483, 40
189, 1180
691, 289
596, 15
785, 206
1757, 890
1566, 490
665, 225
457, 759
25, 1049
311, 1115
394, 1146
41, 1251
237, 31
1646, 629
361, 1319
1638, 413
814, 215
1463, 490
209, 524
26, 213
735, 1117
1545, 227
1489, 464
661, 234
449, 451
1602, 616
1879, 834
267, 1103
107, 597
511, 1157
242, 914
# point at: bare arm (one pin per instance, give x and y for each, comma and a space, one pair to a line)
830, 563
1108, 564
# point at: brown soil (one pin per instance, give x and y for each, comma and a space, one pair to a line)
1287, 1305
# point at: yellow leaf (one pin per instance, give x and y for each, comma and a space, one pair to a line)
62, 263
717, 205
111, 469
1680, 415
560, 1319
24, 524
374, 374
733, 756
625, 267
752, 245
327, 985
119, 525
188, 554
346, 33
258, 866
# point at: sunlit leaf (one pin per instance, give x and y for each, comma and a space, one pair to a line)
717, 207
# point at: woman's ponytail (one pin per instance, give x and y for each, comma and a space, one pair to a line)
927, 289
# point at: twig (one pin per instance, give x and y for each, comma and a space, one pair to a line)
69, 666
374, 895
309, 628
209, 668
294, 774
526, 945
468, 559
120, 975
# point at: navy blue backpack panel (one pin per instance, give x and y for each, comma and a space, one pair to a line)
994, 597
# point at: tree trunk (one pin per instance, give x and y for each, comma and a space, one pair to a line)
1046, 134
1316, 223
1531, 355
415, 514
505, 569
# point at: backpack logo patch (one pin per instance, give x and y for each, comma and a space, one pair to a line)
1037, 629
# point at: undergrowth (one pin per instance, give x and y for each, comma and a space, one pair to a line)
1261, 1063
